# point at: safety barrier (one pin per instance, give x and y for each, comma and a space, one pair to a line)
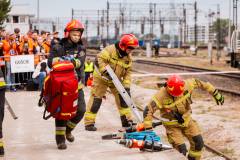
18, 71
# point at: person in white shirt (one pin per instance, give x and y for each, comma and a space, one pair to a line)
40, 73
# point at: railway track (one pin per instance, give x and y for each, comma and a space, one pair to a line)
182, 67
187, 68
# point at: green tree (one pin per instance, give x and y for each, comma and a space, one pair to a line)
220, 27
5, 8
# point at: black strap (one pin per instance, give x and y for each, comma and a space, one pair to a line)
40, 103
45, 110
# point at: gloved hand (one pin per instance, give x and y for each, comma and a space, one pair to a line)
218, 97
128, 91
178, 116
105, 74
76, 62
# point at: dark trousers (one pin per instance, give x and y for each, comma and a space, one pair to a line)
2, 103
67, 126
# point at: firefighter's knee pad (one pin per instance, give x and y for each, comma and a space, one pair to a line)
182, 148
122, 102
199, 143
96, 105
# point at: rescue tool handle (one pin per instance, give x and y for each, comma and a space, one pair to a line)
155, 124
126, 97
11, 110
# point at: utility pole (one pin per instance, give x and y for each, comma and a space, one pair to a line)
229, 26
86, 29
210, 19
102, 26
98, 24
218, 32
233, 54
121, 19
154, 15
151, 23
161, 24
38, 16
235, 13
107, 22
72, 13
184, 28
116, 29
185, 24
180, 37
142, 25
195, 27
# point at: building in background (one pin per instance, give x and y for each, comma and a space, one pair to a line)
19, 17
204, 34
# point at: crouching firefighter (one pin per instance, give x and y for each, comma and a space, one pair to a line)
173, 100
71, 47
118, 56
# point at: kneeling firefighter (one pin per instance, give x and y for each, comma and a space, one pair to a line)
70, 46
173, 100
118, 56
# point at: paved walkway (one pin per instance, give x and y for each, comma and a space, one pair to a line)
32, 138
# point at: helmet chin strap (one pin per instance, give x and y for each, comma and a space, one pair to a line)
120, 51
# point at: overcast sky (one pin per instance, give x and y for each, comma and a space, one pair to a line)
62, 8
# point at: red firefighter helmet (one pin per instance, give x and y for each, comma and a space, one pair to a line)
73, 25
175, 85
128, 41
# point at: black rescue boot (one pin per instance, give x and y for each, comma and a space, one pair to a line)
90, 127
70, 137
1, 151
62, 146
60, 140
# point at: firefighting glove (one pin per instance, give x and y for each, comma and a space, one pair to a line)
123, 103
178, 116
128, 91
76, 62
105, 74
218, 97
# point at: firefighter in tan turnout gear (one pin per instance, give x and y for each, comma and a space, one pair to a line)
118, 56
173, 100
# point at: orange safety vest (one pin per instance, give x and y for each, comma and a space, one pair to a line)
46, 47
7, 48
31, 46
36, 59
